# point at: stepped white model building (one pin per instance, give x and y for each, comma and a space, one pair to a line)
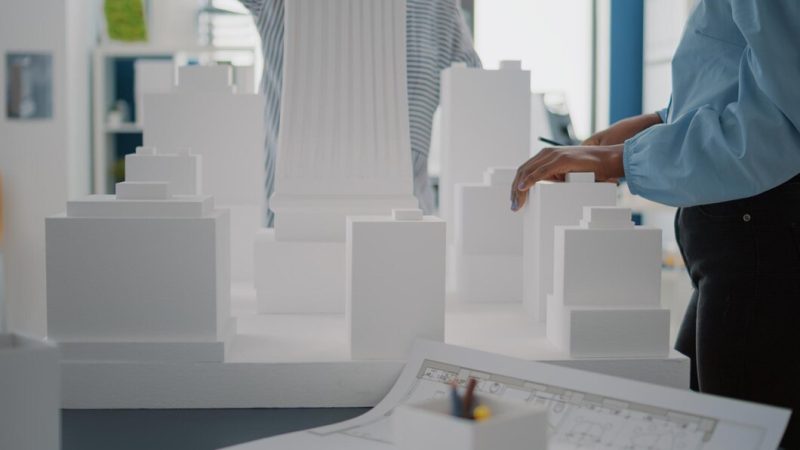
395, 283
488, 240
550, 205
607, 296
205, 113
485, 123
343, 148
143, 275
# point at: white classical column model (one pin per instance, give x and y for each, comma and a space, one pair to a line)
343, 147
485, 123
226, 128
549, 205
488, 240
395, 283
30, 400
607, 296
143, 275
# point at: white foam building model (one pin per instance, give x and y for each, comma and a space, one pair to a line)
30, 400
607, 296
343, 149
205, 112
488, 240
144, 274
395, 283
485, 123
550, 205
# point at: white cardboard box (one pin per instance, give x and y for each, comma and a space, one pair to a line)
430, 426
550, 205
30, 400
299, 277
485, 123
395, 287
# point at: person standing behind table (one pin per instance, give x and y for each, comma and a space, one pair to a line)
436, 37
728, 154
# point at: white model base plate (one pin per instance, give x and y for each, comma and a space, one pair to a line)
284, 361
211, 351
299, 277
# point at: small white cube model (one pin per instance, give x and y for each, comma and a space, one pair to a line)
182, 169
550, 205
350, 157
30, 400
488, 240
485, 123
144, 275
204, 113
429, 425
395, 283
607, 297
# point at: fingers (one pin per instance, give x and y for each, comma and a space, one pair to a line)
518, 198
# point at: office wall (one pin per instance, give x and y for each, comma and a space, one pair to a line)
43, 161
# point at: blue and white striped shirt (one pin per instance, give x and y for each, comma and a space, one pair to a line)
436, 37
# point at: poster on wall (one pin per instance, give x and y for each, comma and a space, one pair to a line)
29, 86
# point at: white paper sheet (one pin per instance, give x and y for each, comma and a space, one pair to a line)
587, 410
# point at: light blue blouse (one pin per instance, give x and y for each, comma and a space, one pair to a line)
733, 125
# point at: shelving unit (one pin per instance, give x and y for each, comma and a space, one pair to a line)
111, 142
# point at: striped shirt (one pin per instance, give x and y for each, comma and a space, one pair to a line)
436, 37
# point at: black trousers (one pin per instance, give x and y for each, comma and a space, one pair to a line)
742, 327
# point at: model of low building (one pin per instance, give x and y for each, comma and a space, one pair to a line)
607, 296
344, 147
205, 112
143, 274
488, 240
549, 205
395, 283
486, 123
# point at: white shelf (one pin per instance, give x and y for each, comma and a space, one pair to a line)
123, 128
303, 361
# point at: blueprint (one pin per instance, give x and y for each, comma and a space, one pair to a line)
586, 410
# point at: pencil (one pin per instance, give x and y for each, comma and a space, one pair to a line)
469, 397
551, 142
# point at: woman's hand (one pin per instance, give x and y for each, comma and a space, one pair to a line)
623, 130
553, 164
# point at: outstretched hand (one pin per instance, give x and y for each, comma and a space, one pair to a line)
553, 164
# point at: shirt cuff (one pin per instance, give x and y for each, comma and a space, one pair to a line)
631, 166
663, 114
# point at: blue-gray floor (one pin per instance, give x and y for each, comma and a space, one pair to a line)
183, 429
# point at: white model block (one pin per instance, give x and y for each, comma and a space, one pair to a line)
608, 331
484, 222
180, 169
151, 76
226, 130
344, 146
597, 265
143, 280
299, 277
485, 123
430, 425
108, 206
205, 79
550, 205
143, 190
30, 400
488, 243
395, 284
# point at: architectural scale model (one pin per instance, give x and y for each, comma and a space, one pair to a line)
549, 205
487, 250
485, 123
205, 113
343, 147
607, 296
395, 283
143, 275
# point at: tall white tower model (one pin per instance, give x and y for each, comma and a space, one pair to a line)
344, 146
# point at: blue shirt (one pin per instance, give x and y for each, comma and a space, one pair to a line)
733, 124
